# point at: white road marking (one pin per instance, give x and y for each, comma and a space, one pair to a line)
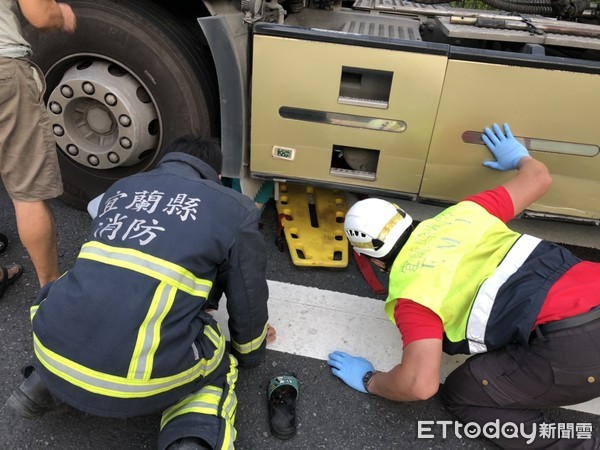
314, 322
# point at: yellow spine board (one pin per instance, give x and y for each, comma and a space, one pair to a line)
313, 224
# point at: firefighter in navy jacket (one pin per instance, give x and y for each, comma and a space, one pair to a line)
125, 332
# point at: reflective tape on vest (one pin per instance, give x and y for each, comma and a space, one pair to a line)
151, 266
484, 301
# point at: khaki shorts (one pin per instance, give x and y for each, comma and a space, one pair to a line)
28, 159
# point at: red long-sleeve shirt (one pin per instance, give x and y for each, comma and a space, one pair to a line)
574, 293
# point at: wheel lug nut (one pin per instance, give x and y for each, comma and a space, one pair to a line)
66, 91
93, 160
88, 88
58, 130
125, 142
110, 99
124, 120
72, 149
55, 108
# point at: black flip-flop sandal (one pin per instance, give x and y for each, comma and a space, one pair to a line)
6, 281
282, 394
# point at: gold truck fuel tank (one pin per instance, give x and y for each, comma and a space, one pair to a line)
321, 99
404, 117
553, 109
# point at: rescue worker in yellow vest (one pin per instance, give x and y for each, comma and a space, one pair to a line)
463, 282
126, 331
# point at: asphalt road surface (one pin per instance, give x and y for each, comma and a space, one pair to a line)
330, 415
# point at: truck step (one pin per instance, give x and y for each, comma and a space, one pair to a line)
406, 31
407, 7
490, 25
313, 225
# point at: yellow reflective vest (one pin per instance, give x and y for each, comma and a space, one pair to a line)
481, 278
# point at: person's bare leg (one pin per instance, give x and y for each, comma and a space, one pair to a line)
38, 235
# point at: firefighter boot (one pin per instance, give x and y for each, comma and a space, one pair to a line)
31, 399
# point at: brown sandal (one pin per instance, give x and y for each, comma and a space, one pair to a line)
6, 280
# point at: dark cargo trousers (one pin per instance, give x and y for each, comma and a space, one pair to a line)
514, 384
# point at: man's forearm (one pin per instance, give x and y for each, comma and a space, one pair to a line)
43, 14
398, 385
532, 179
531, 182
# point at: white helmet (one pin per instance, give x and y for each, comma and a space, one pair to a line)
373, 226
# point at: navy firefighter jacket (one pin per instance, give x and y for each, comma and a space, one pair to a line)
127, 321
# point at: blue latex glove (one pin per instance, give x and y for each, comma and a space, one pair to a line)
507, 150
351, 369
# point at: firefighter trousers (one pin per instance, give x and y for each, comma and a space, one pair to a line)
208, 413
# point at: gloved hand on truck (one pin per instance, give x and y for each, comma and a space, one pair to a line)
506, 149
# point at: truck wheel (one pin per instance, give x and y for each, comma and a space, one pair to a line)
131, 79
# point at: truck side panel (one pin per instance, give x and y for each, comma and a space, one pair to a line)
310, 97
551, 110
